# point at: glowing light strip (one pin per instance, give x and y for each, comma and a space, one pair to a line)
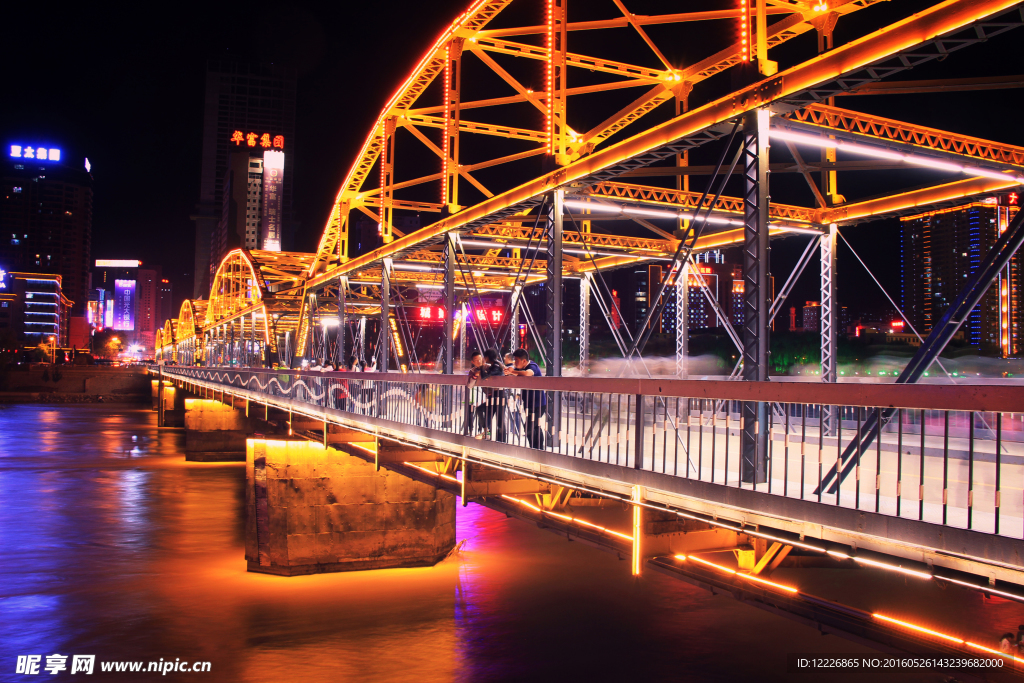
521, 245
984, 589
945, 636
436, 474
549, 77
748, 577
744, 31
447, 122
877, 153
922, 629
568, 518
994, 652
880, 565
657, 213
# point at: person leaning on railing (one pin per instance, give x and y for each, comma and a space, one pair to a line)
494, 405
534, 401
476, 401
514, 400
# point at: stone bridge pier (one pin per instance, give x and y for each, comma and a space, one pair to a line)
312, 508
215, 431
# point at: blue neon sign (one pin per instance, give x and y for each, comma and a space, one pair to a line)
38, 153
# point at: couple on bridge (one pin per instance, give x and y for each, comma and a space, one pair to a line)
524, 407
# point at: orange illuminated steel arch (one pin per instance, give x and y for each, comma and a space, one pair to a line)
237, 286
257, 289
457, 114
190, 318
166, 341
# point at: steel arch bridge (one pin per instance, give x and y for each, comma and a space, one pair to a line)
531, 140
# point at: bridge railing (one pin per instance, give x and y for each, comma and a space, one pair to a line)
949, 455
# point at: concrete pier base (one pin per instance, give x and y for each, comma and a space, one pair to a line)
215, 432
174, 403
312, 509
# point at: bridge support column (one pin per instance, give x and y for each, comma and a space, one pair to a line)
756, 294
173, 403
311, 509
513, 311
384, 350
215, 432
683, 321
447, 351
554, 311
828, 320
584, 324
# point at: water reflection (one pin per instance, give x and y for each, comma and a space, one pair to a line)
115, 546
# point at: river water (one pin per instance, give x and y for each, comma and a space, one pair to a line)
113, 545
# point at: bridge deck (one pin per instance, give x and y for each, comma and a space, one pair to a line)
689, 457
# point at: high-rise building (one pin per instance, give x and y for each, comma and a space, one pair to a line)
131, 298
247, 107
724, 282
46, 217
33, 307
167, 309
251, 214
940, 250
640, 297
812, 316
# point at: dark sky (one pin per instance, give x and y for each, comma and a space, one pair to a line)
124, 87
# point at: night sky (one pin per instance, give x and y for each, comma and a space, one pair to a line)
124, 87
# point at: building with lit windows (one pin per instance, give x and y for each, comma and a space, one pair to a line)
940, 250
641, 297
251, 214
46, 216
812, 316
251, 107
34, 308
129, 297
723, 281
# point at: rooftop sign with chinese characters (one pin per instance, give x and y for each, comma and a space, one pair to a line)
265, 140
37, 153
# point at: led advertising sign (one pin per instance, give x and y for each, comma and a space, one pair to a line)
37, 153
3, 279
117, 263
483, 315
124, 305
273, 188
266, 141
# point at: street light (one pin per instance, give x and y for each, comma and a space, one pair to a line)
53, 350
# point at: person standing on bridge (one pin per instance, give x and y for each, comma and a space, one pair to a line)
476, 401
494, 404
534, 402
513, 402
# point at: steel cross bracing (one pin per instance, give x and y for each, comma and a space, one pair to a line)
465, 32
925, 36
838, 119
921, 38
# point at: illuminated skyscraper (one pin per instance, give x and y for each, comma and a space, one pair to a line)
940, 250
46, 217
248, 107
